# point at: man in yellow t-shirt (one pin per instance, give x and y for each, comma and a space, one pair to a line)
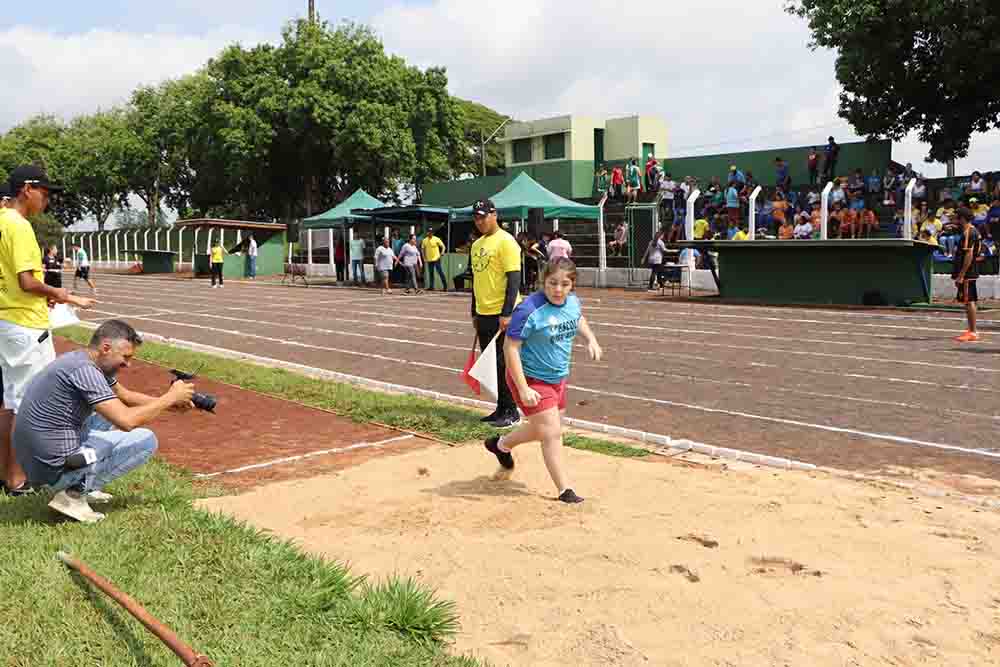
25, 342
496, 283
700, 229
432, 247
218, 259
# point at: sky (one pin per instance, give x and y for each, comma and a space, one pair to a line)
732, 76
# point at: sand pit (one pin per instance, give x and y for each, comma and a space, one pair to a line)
663, 564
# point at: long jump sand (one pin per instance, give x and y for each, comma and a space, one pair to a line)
809, 569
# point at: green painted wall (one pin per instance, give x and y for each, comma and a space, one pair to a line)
837, 272
867, 156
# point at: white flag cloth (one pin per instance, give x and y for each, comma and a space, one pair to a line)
61, 316
485, 368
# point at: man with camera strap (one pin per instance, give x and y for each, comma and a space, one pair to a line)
79, 428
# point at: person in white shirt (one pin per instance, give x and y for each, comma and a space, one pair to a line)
385, 260
252, 258
409, 257
804, 229
667, 187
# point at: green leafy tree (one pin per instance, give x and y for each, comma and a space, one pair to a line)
478, 122
924, 65
38, 141
93, 153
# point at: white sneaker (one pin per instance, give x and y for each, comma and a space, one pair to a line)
100, 497
74, 505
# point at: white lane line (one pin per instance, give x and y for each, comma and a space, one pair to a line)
791, 422
300, 457
645, 399
780, 321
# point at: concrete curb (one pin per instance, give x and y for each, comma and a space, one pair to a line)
645, 437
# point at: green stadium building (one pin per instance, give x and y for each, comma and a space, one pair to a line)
564, 153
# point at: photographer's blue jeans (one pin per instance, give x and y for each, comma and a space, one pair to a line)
118, 453
251, 267
358, 269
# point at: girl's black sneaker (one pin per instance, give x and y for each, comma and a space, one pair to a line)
569, 496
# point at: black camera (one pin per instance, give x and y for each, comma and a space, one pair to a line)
204, 402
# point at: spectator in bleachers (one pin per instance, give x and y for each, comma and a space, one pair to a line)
813, 198
733, 203
867, 223
737, 175
873, 187
834, 219
617, 183
804, 230
920, 191
993, 220
979, 212
856, 185
849, 223
741, 234
838, 195
815, 220
667, 188
633, 181
889, 188
787, 229
602, 182
617, 244
812, 164
927, 237
765, 213
976, 187
779, 208
782, 177
652, 173
831, 155
701, 229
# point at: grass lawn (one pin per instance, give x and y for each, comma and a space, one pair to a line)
234, 593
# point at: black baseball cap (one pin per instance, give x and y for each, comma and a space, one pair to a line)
483, 207
30, 174
4, 190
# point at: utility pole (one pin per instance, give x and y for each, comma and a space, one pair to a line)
483, 142
312, 11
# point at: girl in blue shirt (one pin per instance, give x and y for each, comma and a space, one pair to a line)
538, 350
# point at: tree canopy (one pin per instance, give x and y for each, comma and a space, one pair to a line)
263, 132
904, 65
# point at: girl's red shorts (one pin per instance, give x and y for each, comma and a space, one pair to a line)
553, 395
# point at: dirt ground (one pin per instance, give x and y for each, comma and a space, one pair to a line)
664, 564
252, 438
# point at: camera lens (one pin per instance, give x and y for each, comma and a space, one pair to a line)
204, 402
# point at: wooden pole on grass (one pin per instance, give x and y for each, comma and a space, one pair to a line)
162, 632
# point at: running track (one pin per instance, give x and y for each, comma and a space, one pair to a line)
859, 390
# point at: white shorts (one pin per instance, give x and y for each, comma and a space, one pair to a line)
22, 357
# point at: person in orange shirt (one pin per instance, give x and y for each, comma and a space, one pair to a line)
814, 220
849, 224
835, 219
868, 224
786, 231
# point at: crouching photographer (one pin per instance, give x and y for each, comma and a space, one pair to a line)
79, 428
